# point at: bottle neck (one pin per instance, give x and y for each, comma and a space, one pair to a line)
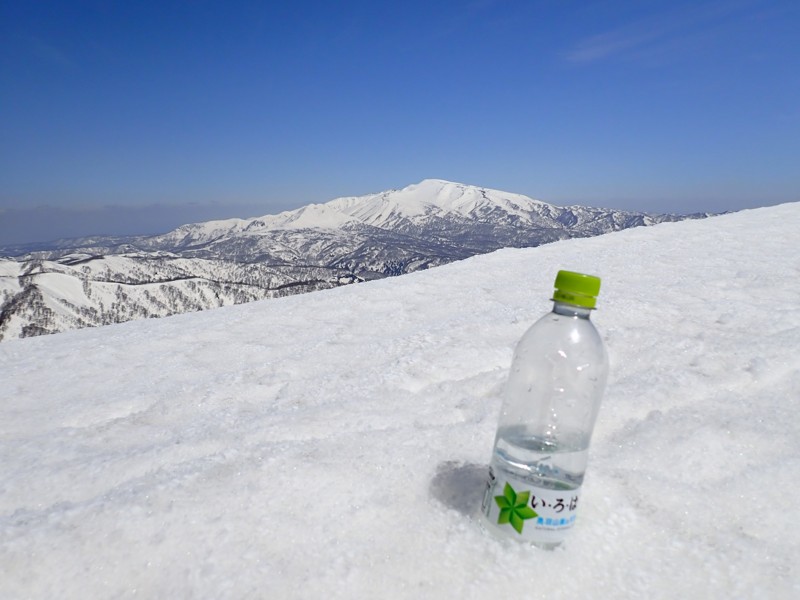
570, 310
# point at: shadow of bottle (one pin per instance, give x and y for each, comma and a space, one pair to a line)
460, 486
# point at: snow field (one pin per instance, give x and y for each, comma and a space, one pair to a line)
335, 444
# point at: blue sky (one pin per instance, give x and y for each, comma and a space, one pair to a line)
122, 116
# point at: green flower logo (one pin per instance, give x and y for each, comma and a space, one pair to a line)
514, 508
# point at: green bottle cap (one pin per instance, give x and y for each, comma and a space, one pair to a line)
576, 288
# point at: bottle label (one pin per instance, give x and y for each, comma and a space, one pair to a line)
528, 512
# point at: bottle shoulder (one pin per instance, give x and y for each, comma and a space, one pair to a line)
554, 334
559, 325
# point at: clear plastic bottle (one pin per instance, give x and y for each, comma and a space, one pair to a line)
552, 398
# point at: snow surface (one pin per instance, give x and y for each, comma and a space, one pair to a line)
335, 444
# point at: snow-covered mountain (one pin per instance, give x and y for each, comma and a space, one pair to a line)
335, 444
97, 281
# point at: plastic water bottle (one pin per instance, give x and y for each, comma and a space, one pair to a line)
552, 398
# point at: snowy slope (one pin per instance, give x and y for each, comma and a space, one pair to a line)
335, 444
40, 297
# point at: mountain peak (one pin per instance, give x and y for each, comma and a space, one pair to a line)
435, 198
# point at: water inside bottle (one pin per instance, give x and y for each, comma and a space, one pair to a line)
557, 464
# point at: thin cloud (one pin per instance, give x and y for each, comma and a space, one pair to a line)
605, 45
655, 32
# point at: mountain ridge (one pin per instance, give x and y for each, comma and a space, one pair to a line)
102, 280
